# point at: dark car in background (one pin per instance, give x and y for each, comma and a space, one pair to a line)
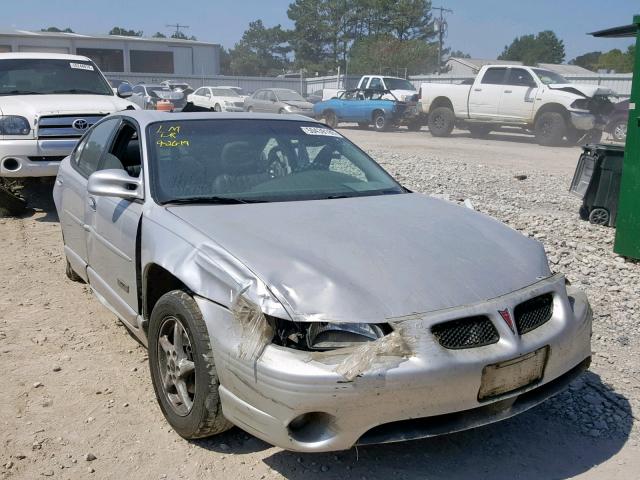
617, 121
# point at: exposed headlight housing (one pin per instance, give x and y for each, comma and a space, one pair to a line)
14, 125
581, 104
323, 336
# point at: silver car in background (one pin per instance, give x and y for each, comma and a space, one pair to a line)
278, 100
287, 284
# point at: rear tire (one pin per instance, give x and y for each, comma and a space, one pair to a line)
250, 109
441, 121
550, 128
179, 343
619, 130
72, 275
330, 119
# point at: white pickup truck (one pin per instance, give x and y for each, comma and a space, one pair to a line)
537, 100
47, 101
401, 88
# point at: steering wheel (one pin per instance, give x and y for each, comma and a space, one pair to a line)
278, 163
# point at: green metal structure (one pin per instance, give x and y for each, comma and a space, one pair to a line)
628, 222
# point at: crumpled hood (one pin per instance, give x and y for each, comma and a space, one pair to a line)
35, 106
300, 104
579, 89
369, 259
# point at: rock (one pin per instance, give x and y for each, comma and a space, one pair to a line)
90, 457
38, 384
57, 368
91, 469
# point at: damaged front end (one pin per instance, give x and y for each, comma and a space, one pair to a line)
349, 348
591, 113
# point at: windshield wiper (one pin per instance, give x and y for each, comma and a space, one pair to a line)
216, 200
21, 92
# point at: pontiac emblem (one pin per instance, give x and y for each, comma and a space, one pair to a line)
506, 316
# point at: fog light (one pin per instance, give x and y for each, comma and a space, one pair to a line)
312, 427
10, 164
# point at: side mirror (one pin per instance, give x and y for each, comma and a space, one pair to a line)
125, 90
115, 183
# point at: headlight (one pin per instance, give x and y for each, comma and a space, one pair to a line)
319, 336
290, 108
14, 125
581, 104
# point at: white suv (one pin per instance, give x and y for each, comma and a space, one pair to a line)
47, 101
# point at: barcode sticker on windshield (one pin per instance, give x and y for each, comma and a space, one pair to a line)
81, 66
320, 131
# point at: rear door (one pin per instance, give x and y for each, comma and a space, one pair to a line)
486, 94
113, 228
74, 197
518, 96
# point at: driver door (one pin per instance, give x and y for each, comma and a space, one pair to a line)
113, 228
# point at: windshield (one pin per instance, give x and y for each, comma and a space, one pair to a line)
289, 96
547, 76
242, 161
398, 84
36, 76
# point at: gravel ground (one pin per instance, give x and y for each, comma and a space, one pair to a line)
77, 400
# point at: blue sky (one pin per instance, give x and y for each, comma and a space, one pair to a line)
480, 28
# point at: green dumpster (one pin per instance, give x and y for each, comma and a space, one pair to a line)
628, 221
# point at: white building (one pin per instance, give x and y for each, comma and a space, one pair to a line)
121, 55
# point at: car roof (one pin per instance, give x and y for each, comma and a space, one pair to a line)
42, 56
145, 117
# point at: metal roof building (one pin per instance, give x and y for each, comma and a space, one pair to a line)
115, 54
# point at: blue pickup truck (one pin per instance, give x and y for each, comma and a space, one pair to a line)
369, 107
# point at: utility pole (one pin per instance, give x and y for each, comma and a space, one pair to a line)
177, 26
441, 28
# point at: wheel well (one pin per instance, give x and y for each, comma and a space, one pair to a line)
440, 102
553, 107
158, 281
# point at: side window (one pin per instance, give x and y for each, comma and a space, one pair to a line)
376, 84
271, 97
124, 153
520, 77
138, 89
363, 82
206, 92
494, 76
259, 95
199, 92
87, 160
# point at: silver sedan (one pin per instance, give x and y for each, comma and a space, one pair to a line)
285, 283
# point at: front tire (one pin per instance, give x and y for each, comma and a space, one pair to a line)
380, 122
550, 128
217, 108
441, 121
182, 368
619, 131
11, 203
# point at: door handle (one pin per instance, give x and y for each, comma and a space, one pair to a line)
477, 89
507, 91
92, 203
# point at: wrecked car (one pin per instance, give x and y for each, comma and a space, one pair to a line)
536, 100
379, 108
285, 283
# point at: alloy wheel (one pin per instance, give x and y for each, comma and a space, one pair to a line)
176, 366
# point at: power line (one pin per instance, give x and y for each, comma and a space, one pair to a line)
441, 28
177, 26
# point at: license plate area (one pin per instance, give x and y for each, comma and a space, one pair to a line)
512, 375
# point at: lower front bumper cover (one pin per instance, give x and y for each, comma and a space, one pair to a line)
17, 157
583, 121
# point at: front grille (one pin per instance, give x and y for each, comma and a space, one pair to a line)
61, 126
238, 104
467, 332
533, 313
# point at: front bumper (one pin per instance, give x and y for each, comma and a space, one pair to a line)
32, 157
233, 109
268, 397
